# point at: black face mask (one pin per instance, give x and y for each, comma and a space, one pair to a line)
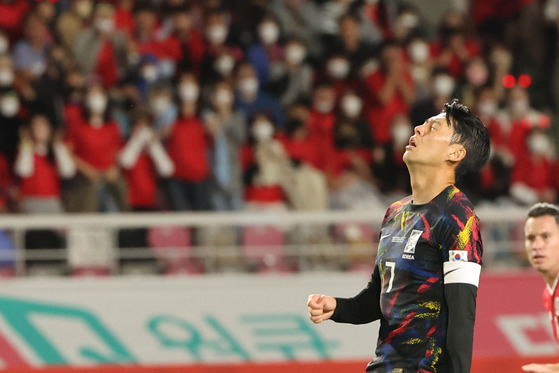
346, 142
292, 125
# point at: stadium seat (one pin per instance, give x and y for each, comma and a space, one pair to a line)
264, 249
172, 248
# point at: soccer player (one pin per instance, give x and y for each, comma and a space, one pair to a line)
424, 284
541, 240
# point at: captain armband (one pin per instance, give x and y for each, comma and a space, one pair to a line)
461, 273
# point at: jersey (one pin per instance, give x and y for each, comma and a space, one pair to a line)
551, 304
423, 249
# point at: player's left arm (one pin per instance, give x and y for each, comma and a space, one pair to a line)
462, 267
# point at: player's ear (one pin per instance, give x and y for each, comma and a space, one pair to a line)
456, 153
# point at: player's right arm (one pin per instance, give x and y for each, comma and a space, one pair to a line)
361, 309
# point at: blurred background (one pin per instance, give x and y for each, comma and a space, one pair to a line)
162, 159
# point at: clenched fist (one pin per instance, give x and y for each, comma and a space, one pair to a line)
321, 307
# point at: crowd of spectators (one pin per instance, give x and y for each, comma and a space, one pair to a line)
284, 104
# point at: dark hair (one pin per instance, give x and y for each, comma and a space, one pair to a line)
470, 132
544, 209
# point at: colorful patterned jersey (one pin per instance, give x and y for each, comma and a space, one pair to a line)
416, 242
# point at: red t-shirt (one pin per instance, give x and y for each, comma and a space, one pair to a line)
142, 182
380, 115
456, 65
321, 134
551, 304
106, 67
44, 182
303, 150
5, 180
340, 160
96, 146
188, 149
535, 173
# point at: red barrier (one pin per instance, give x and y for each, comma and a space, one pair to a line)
479, 365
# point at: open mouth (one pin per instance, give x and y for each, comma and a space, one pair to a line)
412, 142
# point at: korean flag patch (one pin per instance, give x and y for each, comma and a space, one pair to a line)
458, 256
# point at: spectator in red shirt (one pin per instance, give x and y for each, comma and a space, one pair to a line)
454, 49
187, 41
95, 142
391, 90
322, 120
100, 50
144, 161
532, 177
42, 161
187, 145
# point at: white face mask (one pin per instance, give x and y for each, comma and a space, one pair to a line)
223, 97
443, 85
224, 64
401, 132
105, 25
338, 68
9, 106
295, 54
248, 86
149, 73
189, 92
262, 130
487, 107
6, 77
408, 20
539, 144
160, 104
4, 45
419, 51
217, 34
268, 32
324, 106
97, 103
351, 105
520, 106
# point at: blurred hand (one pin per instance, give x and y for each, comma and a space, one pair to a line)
321, 307
112, 174
541, 368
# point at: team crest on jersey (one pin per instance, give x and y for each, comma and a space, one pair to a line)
412, 241
409, 249
458, 256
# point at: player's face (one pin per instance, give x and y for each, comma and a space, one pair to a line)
541, 239
430, 143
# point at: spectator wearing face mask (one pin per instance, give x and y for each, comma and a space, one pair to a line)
350, 44
250, 99
43, 160
441, 90
187, 144
267, 51
264, 164
220, 56
95, 143
322, 121
520, 117
100, 50
291, 78
163, 107
337, 71
296, 140
533, 176
391, 91
227, 128
144, 160
421, 65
